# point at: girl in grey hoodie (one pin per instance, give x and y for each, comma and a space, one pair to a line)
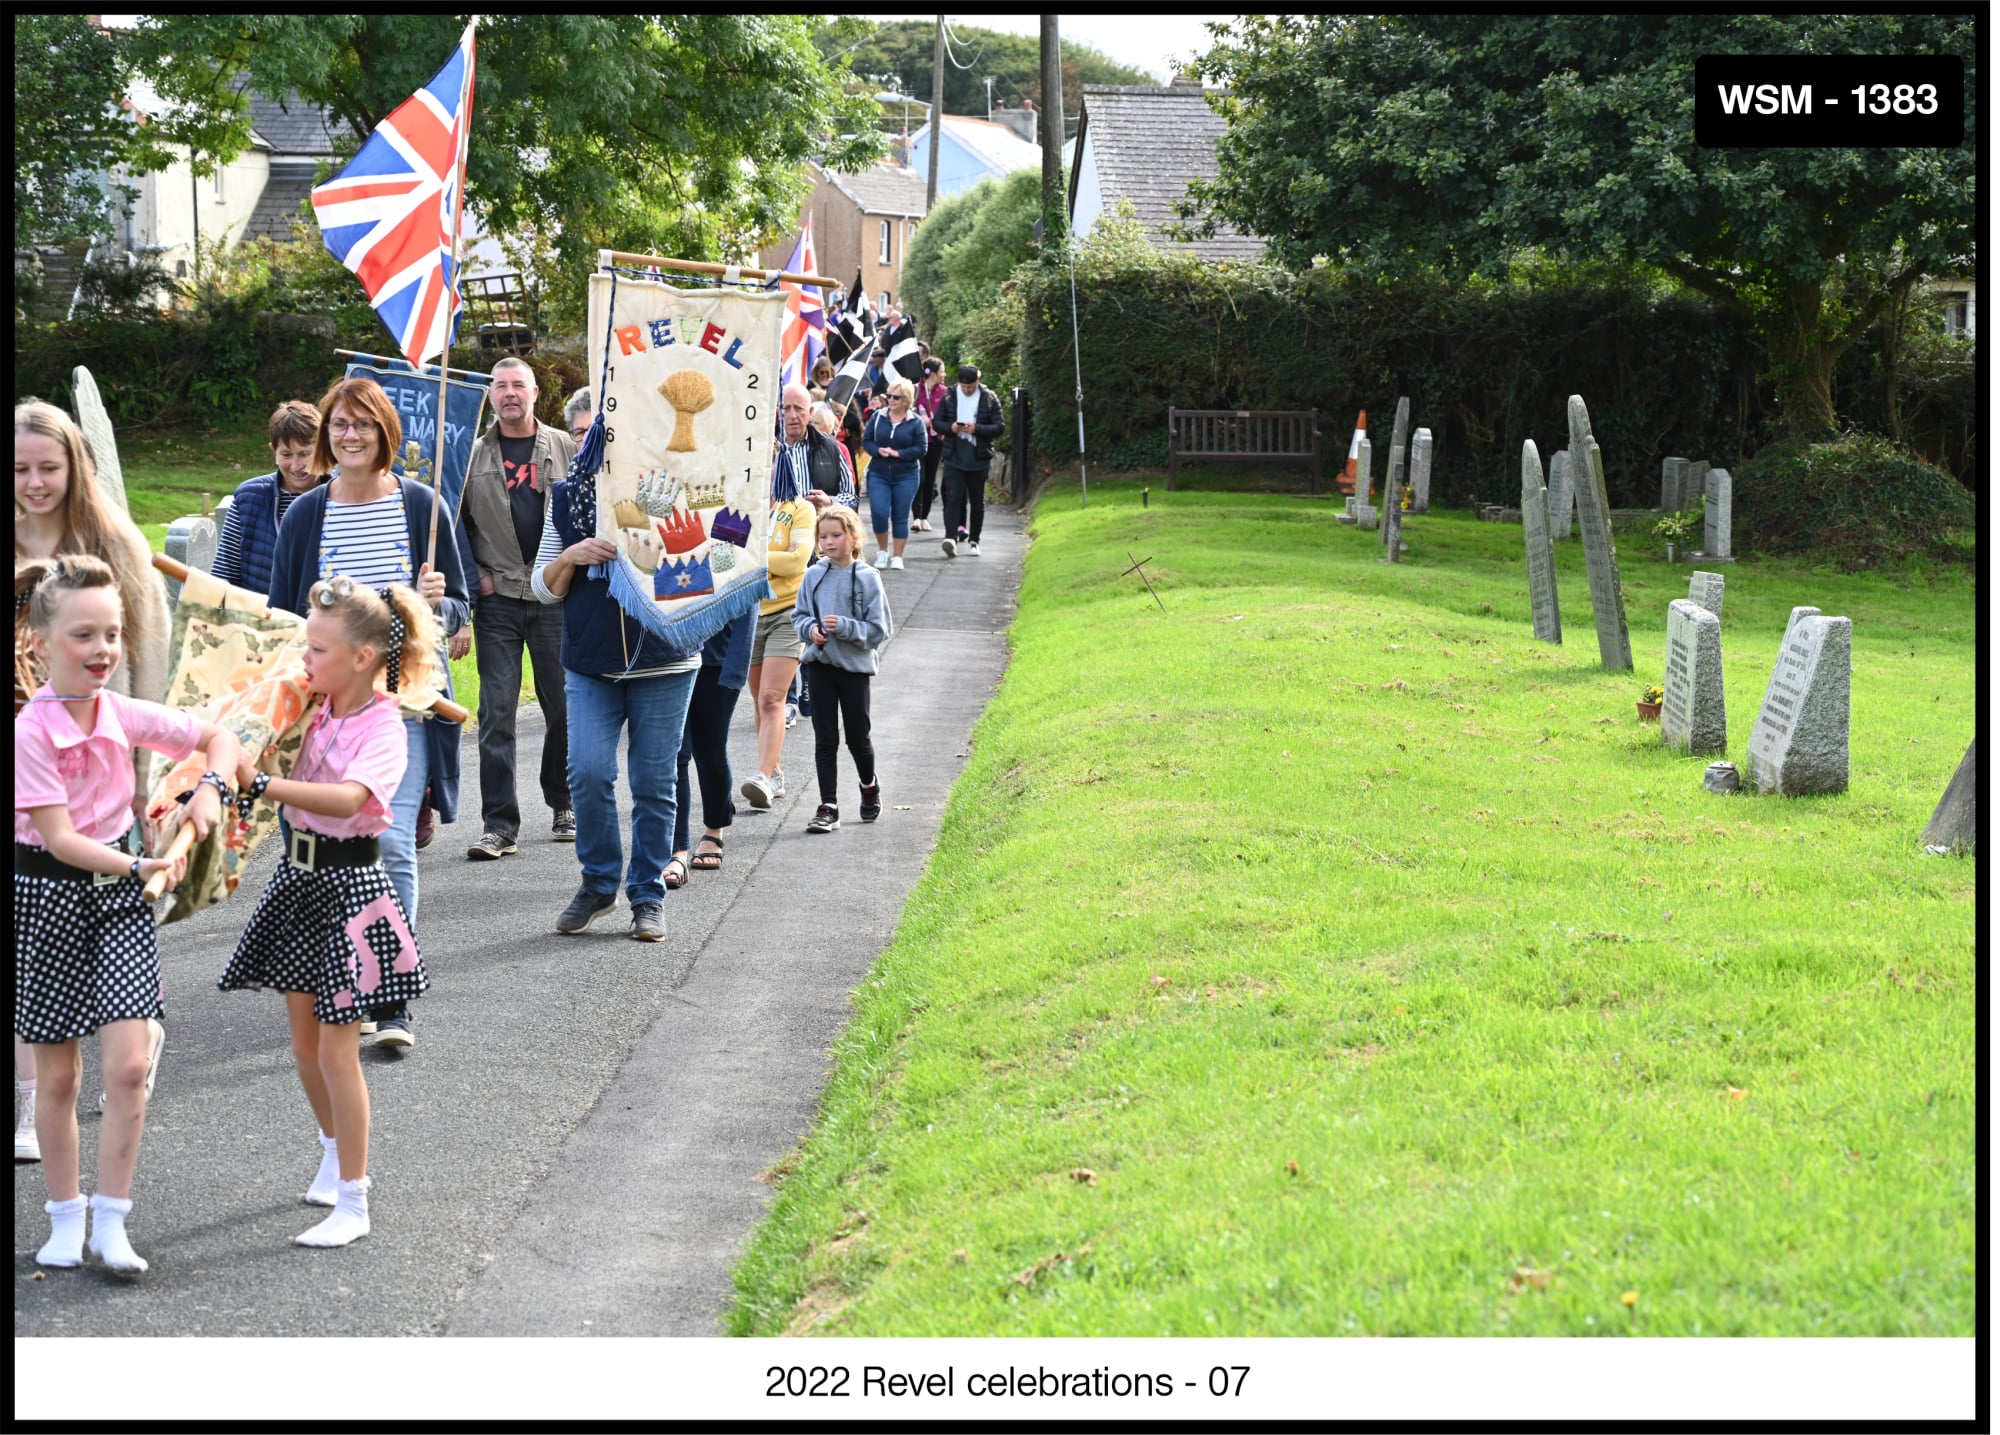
842, 615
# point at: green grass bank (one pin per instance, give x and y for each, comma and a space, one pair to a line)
1324, 955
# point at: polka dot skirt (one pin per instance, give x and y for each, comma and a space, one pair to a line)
340, 934
84, 956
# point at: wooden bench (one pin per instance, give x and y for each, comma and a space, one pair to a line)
1229, 435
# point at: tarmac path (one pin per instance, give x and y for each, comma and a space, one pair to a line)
572, 1146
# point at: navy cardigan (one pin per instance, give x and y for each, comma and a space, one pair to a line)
296, 568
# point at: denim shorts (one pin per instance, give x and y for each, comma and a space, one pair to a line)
776, 638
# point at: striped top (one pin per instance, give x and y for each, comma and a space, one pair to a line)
368, 542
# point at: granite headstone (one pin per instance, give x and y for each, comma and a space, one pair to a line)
191, 540
1691, 711
1535, 534
1420, 471
1717, 487
1392, 497
1562, 496
1607, 598
1799, 744
1954, 827
1670, 484
1706, 589
96, 426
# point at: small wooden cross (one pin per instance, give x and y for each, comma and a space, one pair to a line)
1139, 567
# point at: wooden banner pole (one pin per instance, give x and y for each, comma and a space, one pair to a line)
700, 266
443, 707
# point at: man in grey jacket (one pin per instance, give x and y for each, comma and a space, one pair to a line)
514, 464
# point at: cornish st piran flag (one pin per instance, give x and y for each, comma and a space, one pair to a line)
391, 215
805, 316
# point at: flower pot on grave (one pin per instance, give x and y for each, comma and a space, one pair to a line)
1649, 712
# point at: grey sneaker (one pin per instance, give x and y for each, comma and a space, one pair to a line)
564, 829
757, 791
777, 785
490, 847
950, 547
583, 909
649, 922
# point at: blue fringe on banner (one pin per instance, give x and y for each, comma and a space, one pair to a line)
695, 624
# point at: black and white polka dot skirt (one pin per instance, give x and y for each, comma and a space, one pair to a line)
340, 934
85, 955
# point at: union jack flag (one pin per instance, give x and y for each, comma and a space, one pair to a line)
805, 316
392, 215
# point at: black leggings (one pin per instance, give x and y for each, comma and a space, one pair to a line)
836, 695
705, 740
927, 482
964, 487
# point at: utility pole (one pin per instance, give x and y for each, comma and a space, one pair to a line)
1054, 210
937, 117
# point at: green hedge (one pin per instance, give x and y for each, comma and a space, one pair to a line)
1856, 501
1484, 366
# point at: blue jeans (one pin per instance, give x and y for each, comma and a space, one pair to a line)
655, 712
889, 499
399, 843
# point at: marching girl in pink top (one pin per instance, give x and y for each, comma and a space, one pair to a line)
329, 931
85, 959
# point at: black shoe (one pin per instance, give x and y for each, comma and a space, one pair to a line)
583, 909
827, 819
395, 1031
871, 801
649, 922
564, 829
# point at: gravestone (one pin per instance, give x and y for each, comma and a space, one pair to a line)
1399, 441
1706, 589
1420, 471
1392, 495
1799, 744
1670, 484
1691, 709
1348, 515
1364, 482
1954, 827
1562, 497
96, 426
1718, 487
192, 541
1541, 560
1607, 599
1366, 516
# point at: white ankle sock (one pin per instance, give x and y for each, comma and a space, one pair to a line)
108, 1241
65, 1247
349, 1221
325, 1188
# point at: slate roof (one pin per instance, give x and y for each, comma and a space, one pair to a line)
277, 208
995, 145
883, 189
1149, 141
293, 129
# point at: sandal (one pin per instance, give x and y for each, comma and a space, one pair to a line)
676, 875
709, 861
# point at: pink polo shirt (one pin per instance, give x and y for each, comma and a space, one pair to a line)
368, 747
57, 765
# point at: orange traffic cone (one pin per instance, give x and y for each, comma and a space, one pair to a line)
1354, 452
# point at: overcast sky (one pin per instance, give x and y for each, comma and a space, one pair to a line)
1153, 43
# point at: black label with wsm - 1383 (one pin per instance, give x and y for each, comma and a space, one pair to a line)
1829, 101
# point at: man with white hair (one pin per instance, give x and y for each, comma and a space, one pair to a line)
513, 466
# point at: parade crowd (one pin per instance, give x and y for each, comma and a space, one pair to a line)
335, 534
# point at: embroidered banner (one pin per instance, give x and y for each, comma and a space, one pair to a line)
690, 405
238, 663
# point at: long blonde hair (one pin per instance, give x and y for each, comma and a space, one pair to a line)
365, 618
847, 518
90, 524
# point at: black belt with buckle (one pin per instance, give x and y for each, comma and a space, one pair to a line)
40, 862
315, 852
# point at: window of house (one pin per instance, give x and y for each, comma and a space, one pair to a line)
1958, 314
883, 257
885, 299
